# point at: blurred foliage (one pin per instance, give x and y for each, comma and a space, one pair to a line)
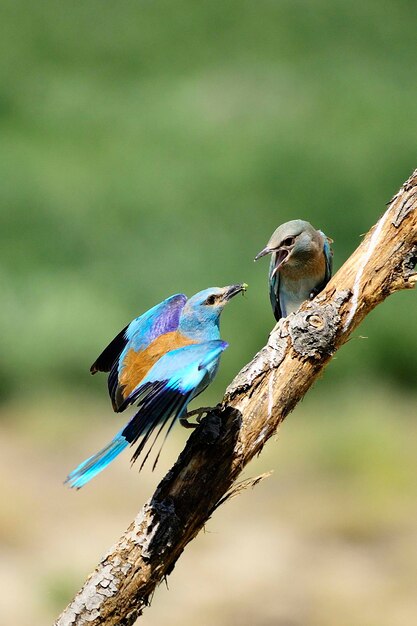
152, 147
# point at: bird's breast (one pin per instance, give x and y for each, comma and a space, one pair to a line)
310, 268
297, 283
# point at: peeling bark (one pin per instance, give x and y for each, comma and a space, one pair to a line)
255, 403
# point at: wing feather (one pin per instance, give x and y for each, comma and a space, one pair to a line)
165, 392
104, 362
328, 256
160, 319
274, 289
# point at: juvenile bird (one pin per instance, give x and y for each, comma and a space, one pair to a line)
160, 361
301, 265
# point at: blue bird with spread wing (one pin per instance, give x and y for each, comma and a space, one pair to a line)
300, 267
160, 362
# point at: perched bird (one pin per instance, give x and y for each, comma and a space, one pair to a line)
160, 361
301, 265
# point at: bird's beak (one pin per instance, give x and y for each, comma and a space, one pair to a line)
263, 252
233, 290
281, 255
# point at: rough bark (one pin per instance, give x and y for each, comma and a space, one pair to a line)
255, 404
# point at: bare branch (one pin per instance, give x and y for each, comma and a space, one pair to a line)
255, 404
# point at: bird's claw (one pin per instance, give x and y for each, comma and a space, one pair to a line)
186, 424
200, 414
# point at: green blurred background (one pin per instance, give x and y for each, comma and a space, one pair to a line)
149, 148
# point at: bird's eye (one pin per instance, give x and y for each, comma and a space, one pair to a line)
288, 241
210, 300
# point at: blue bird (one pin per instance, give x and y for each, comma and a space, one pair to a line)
301, 265
160, 361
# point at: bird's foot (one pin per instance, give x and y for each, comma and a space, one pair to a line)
200, 414
314, 292
186, 424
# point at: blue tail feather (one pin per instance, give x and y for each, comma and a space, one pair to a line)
96, 463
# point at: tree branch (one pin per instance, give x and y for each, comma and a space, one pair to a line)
255, 404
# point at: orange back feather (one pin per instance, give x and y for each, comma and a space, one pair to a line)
137, 364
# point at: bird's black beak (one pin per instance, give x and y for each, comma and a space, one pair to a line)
281, 255
233, 290
263, 252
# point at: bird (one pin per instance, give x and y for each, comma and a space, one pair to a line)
160, 362
300, 267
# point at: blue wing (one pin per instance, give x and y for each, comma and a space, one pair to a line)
274, 289
161, 319
163, 395
328, 255
141, 333
175, 379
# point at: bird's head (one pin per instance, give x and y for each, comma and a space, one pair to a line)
292, 244
206, 306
